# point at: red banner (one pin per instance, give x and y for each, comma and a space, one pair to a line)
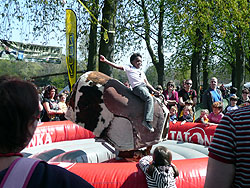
192, 132
56, 131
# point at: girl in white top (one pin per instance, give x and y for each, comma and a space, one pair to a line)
139, 83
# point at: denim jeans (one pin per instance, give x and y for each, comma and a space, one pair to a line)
143, 92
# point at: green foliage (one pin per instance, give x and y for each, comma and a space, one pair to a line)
152, 76
119, 75
220, 22
59, 81
27, 70
21, 69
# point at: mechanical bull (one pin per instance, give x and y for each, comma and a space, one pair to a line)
112, 112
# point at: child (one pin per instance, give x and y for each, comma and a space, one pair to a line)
139, 83
158, 169
187, 115
173, 114
216, 115
233, 104
203, 117
62, 102
62, 105
159, 88
188, 102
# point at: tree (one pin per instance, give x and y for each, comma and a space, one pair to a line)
192, 31
144, 20
108, 22
234, 21
217, 33
92, 53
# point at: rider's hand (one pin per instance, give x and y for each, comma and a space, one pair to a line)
102, 58
156, 92
183, 122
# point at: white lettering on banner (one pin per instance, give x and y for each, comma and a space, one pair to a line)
179, 136
48, 139
172, 134
40, 139
32, 142
188, 136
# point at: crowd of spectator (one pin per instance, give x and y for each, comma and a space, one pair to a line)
182, 103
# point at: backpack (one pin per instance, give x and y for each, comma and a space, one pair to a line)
19, 173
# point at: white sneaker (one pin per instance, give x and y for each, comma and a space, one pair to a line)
148, 126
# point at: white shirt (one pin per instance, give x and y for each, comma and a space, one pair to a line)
135, 76
232, 108
159, 179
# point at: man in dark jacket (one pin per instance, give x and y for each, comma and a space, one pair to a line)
211, 95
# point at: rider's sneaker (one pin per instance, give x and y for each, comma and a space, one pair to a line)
148, 126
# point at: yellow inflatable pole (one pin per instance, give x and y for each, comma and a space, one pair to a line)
71, 46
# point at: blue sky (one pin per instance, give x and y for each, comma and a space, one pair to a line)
20, 30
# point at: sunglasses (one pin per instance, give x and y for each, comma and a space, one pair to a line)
244, 92
233, 99
189, 83
170, 85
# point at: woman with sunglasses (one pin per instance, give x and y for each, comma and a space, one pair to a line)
187, 94
171, 95
244, 98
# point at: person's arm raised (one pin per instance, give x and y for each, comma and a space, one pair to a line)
104, 60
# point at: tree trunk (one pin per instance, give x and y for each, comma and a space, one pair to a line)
240, 65
108, 22
92, 56
233, 75
205, 84
205, 68
160, 67
196, 62
248, 64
